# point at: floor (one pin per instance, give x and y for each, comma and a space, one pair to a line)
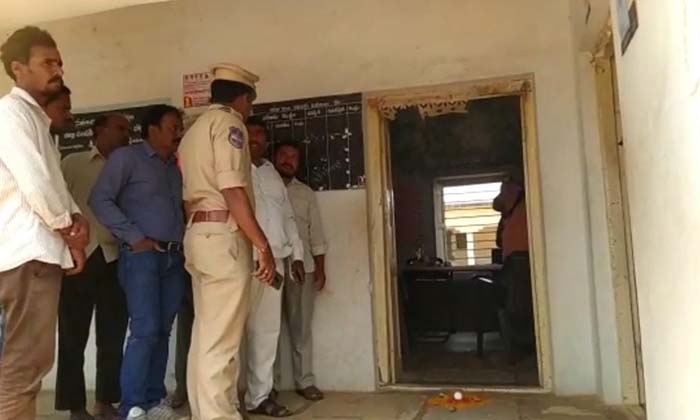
455, 361
420, 406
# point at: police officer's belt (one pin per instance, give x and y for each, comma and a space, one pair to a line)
216, 216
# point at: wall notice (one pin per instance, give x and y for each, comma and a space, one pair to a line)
195, 89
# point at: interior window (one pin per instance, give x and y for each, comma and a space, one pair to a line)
467, 222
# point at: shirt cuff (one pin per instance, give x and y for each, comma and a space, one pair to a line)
231, 179
61, 222
133, 237
317, 250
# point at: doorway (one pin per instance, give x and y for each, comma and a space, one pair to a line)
437, 167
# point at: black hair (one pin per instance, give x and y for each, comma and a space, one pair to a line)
100, 122
18, 46
65, 91
226, 91
293, 144
256, 120
154, 115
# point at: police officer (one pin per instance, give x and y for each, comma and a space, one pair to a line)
221, 232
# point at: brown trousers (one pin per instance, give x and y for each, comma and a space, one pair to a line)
29, 299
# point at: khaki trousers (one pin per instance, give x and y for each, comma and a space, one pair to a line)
220, 262
29, 299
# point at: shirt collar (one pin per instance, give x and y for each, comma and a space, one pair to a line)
265, 163
227, 109
151, 152
94, 152
25, 96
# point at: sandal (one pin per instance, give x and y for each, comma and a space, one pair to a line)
271, 409
311, 393
176, 400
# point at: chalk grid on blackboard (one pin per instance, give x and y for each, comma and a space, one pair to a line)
329, 129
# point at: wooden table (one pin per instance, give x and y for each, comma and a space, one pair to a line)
439, 301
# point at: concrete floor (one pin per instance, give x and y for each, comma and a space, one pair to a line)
414, 406
455, 361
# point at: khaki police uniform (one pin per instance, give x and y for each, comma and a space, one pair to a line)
214, 156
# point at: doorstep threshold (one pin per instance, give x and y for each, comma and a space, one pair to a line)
496, 389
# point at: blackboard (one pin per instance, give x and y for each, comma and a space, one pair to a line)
80, 139
329, 129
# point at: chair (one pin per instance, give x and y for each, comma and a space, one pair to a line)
474, 304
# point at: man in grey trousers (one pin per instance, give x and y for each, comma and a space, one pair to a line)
298, 300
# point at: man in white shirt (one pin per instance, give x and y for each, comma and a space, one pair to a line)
276, 218
96, 289
298, 302
41, 227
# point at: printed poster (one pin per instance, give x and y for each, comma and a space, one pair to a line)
195, 89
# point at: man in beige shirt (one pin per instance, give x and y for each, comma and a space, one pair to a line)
42, 230
298, 305
95, 289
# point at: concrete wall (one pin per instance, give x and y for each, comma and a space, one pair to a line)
587, 25
606, 340
314, 47
659, 79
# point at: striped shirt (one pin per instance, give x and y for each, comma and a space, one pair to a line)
34, 200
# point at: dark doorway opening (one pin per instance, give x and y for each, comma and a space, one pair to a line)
465, 295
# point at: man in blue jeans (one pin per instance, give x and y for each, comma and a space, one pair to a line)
138, 196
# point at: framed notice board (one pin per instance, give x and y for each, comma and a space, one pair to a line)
80, 138
329, 130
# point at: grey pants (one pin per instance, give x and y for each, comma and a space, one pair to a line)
297, 313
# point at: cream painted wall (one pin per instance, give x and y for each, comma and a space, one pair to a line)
587, 26
660, 104
608, 352
314, 47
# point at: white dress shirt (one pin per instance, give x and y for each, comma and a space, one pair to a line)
309, 224
80, 171
274, 212
34, 200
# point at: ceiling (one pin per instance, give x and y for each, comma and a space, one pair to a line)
16, 13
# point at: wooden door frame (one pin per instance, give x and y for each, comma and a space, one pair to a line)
617, 215
380, 220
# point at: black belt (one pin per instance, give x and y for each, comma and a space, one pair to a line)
165, 245
171, 246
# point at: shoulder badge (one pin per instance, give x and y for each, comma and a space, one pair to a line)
235, 137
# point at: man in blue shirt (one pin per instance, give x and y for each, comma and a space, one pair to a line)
138, 197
